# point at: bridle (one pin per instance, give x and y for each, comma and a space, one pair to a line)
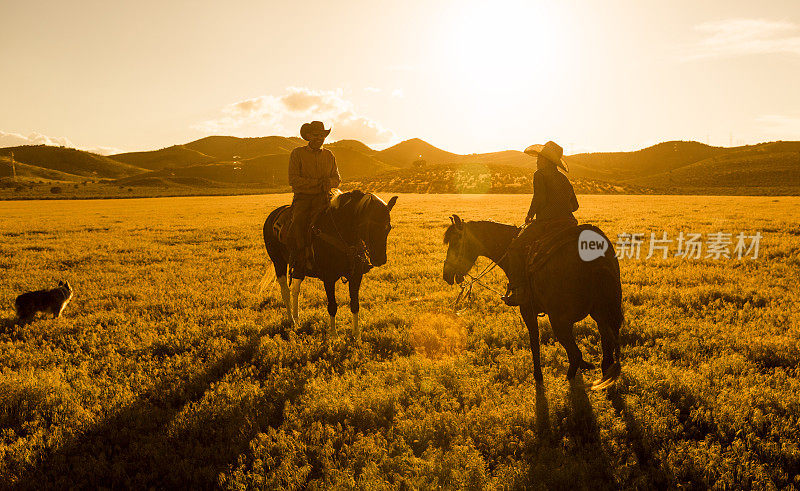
469, 280
358, 254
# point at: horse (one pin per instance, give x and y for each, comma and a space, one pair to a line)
349, 239
566, 287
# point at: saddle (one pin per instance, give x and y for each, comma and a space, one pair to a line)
282, 226
541, 249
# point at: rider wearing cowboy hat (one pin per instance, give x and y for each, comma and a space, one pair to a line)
551, 210
312, 175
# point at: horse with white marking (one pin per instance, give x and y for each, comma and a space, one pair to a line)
567, 288
348, 240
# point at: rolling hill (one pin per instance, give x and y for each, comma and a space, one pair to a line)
751, 169
405, 153
26, 172
231, 147
619, 166
268, 170
78, 163
174, 156
351, 145
670, 167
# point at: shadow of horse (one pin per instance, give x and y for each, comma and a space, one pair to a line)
658, 477
568, 452
8, 325
135, 447
542, 413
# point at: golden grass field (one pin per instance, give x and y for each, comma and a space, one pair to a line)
168, 368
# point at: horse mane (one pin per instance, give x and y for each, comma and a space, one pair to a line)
354, 194
449, 233
343, 199
452, 230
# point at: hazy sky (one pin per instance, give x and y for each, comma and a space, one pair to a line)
467, 76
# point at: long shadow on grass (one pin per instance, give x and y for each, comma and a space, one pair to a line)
658, 477
571, 454
134, 448
584, 431
8, 325
542, 413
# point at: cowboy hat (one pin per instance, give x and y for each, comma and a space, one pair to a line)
311, 128
551, 151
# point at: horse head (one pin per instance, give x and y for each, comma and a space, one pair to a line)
462, 251
372, 223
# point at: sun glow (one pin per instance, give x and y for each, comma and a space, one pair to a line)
500, 45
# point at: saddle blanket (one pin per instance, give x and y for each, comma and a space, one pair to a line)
540, 250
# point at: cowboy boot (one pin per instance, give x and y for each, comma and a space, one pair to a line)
517, 291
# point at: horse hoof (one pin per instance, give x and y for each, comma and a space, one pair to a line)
609, 377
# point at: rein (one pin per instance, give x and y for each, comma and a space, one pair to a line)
466, 293
466, 286
358, 256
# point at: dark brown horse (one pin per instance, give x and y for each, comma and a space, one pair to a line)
567, 289
350, 239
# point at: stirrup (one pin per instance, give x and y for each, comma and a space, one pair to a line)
513, 296
512, 300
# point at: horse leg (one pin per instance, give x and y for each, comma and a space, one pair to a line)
330, 292
355, 285
565, 335
277, 254
532, 322
294, 311
608, 324
285, 295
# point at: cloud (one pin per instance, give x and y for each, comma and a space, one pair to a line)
16, 140
398, 93
741, 37
374, 90
103, 150
284, 113
353, 126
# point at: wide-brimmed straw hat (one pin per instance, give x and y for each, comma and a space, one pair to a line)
314, 127
551, 151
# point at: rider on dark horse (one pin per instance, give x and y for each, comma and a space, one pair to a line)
550, 212
312, 175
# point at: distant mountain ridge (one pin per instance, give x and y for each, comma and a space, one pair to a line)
669, 167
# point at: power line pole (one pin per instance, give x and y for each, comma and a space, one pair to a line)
13, 167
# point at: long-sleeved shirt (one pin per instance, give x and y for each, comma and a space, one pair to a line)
312, 171
553, 195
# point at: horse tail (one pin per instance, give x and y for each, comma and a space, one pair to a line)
269, 235
267, 282
609, 281
274, 252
